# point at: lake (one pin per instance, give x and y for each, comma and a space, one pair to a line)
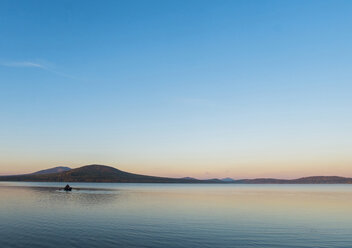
175, 215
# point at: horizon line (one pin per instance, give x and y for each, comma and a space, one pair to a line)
219, 178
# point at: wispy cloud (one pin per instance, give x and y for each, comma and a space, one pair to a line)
30, 64
22, 64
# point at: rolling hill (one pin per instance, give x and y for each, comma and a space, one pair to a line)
303, 180
52, 170
102, 173
99, 173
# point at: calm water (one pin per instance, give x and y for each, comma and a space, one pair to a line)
164, 215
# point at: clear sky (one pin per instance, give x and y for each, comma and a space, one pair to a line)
177, 88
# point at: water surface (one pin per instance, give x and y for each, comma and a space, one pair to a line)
175, 215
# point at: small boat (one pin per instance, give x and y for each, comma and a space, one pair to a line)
68, 188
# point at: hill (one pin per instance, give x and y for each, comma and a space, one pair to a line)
227, 180
52, 170
102, 173
99, 173
303, 180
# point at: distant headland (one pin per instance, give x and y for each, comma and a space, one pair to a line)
107, 174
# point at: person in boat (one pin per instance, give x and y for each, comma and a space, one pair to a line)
68, 188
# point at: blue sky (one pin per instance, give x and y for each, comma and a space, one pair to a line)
177, 88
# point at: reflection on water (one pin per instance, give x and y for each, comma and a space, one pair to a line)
161, 215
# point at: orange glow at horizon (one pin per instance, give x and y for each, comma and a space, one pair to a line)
239, 169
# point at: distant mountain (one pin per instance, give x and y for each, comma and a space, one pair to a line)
52, 170
303, 180
189, 178
99, 173
102, 173
227, 180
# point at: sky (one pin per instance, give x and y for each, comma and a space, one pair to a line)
239, 89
